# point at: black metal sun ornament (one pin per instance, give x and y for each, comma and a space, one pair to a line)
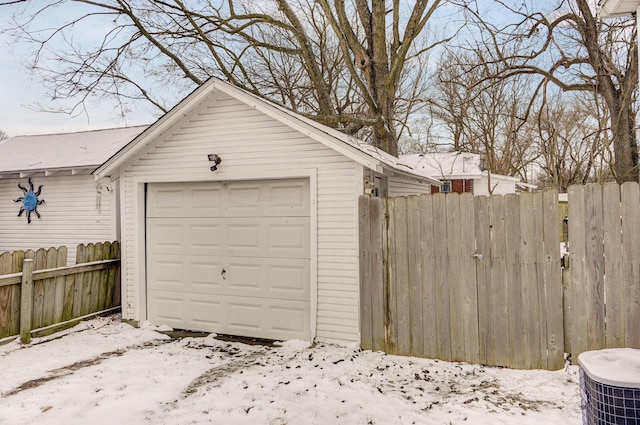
29, 201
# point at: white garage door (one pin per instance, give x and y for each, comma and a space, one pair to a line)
230, 257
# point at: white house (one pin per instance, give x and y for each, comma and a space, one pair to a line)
56, 169
241, 217
462, 172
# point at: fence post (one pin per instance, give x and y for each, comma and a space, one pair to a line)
26, 302
567, 303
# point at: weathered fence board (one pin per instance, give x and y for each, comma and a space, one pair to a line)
499, 353
378, 295
401, 287
552, 284
366, 270
614, 283
529, 295
467, 306
486, 331
594, 272
52, 293
455, 276
631, 263
415, 276
441, 268
428, 278
514, 278
577, 250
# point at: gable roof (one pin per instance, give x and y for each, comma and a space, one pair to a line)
349, 146
66, 151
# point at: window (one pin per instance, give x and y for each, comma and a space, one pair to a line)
445, 187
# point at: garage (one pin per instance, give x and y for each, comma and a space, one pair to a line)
241, 217
230, 257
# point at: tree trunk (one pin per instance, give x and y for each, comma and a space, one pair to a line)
624, 143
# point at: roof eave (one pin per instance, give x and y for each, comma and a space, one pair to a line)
413, 175
616, 8
156, 129
81, 169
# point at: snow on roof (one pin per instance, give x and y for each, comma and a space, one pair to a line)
449, 165
63, 151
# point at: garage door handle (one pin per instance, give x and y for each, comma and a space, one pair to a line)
223, 274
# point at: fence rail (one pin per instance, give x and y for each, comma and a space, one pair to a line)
480, 279
37, 289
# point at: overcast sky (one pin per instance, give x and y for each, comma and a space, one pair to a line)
19, 92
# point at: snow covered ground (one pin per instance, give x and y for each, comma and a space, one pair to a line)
107, 372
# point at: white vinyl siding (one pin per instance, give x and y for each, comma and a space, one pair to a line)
498, 186
73, 213
399, 186
254, 146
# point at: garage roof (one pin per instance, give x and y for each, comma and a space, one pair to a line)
351, 147
66, 151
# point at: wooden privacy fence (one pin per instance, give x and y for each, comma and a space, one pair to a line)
37, 289
480, 279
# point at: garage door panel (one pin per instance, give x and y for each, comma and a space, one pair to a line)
168, 308
207, 200
243, 237
266, 278
166, 201
230, 257
274, 319
167, 236
272, 237
187, 200
205, 313
288, 238
185, 235
184, 273
167, 274
288, 198
287, 279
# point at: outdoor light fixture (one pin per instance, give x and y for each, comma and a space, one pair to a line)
215, 158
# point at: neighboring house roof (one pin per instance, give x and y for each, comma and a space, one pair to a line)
349, 146
449, 165
66, 151
611, 8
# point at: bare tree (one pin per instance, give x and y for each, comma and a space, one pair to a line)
573, 140
353, 65
3, 135
571, 48
484, 115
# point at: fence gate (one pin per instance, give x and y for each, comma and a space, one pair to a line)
463, 278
